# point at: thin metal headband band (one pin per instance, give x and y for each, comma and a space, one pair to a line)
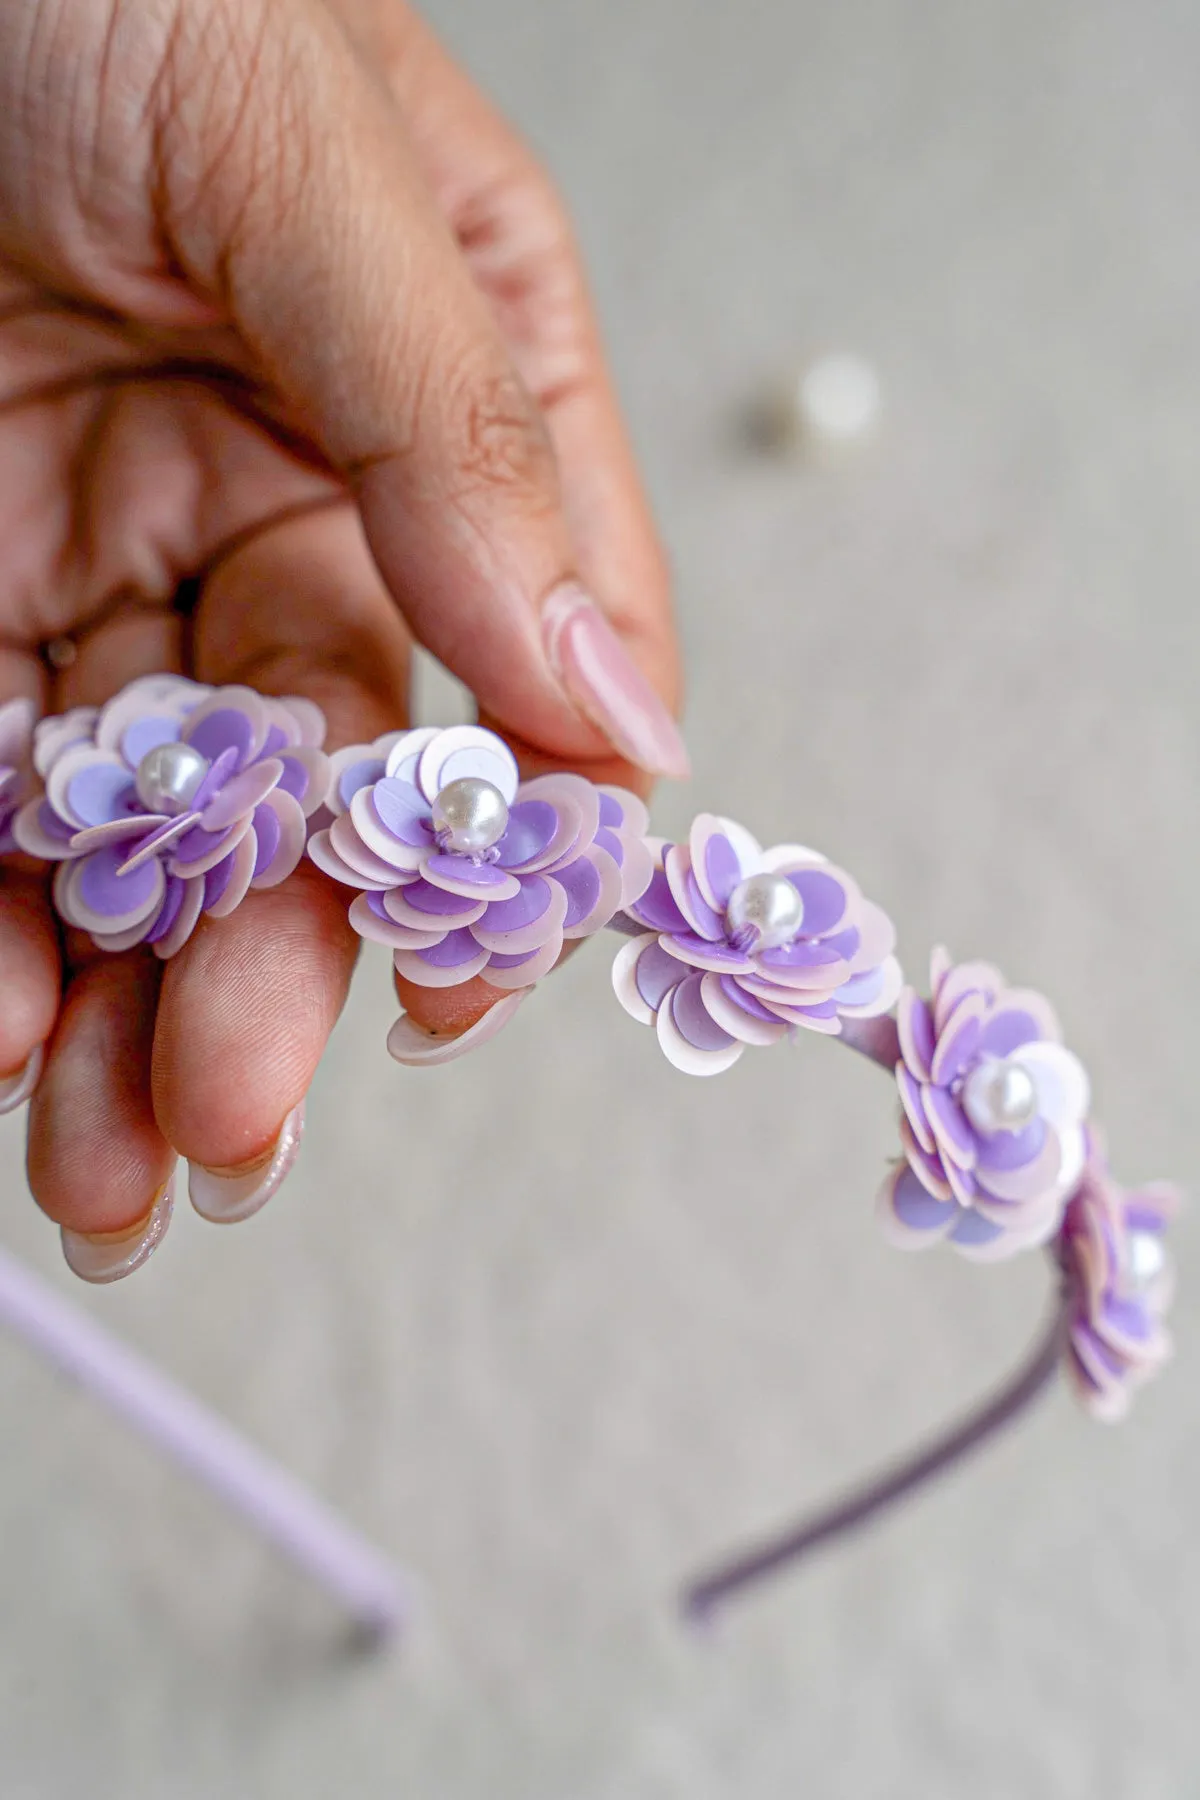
174, 800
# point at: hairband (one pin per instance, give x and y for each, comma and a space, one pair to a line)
174, 800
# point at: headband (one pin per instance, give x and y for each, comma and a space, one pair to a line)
174, 800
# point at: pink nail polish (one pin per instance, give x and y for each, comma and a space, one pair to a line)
593, 666
18, 1088
226, 1196
100, 1257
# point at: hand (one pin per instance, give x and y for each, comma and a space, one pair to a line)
296, 364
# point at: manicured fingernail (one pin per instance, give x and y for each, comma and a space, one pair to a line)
593, 666
18, 1088
409, 1043
226, 1196
111, 1255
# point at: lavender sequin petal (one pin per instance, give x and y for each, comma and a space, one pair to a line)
657, 909
91, 787
689, 1039
223, 728
144, 734
404, 812
958, 1041
280, 828
456, 959
914, 1022
532, 825
241, 794
826, 894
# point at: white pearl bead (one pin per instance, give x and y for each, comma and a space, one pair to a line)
169, 776
1147, 1258
999, 1095
838, 402
470, 815
768, 904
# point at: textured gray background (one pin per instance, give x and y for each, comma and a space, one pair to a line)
554, 1364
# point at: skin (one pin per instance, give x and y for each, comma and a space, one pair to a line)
297, 365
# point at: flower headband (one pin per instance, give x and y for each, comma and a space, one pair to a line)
174, 800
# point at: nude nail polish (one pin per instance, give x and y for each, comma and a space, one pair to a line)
105, 1256
594, 667
19, 1087
226, 1196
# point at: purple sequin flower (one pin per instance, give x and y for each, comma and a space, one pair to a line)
16, 764
1112, 1251
170, 801
467, 871
742, 944
993, 1116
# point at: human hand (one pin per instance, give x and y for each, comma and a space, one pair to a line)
296, 365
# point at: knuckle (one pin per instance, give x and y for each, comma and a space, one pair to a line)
518, 238
498, 437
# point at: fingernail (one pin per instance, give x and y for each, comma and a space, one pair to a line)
408, 1043
111, 1255
593, 666
226, 1196
18, 1088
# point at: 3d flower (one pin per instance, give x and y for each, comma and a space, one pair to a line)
16, 764
1112, 1251
743, 943
467, 871
171, 801
993, 1116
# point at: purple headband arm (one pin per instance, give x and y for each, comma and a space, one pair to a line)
857, 1507
878, 1040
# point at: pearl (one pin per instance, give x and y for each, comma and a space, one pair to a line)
169, 776
470, 815
830, 409
769, 906
999, 1095
1147, 1259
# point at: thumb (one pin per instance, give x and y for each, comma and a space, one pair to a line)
279, 181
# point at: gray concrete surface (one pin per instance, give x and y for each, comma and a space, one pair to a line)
553, 1374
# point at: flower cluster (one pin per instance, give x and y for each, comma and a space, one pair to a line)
742, 944
16, 764
1120, 1285
171, 801
993, 1116
464, 870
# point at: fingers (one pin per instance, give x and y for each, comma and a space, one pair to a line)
520, 248
97, 1160
29, 982
306, 216
248, 1004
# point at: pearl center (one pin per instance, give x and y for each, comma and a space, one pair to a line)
168, 778
764, 912
470, 816
1147, 1259
999, 1095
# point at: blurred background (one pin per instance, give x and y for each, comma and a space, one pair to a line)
555, 1324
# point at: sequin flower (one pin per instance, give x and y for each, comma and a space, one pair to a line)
16, 764
1112, 1251
467, 871
171, 801
993, 1116
742, 943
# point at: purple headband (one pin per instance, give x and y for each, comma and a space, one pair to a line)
175, 800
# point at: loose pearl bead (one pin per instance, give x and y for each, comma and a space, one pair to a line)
1147, 1258
768, 904
837, 403
470, 815
169, 776
999, 1096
